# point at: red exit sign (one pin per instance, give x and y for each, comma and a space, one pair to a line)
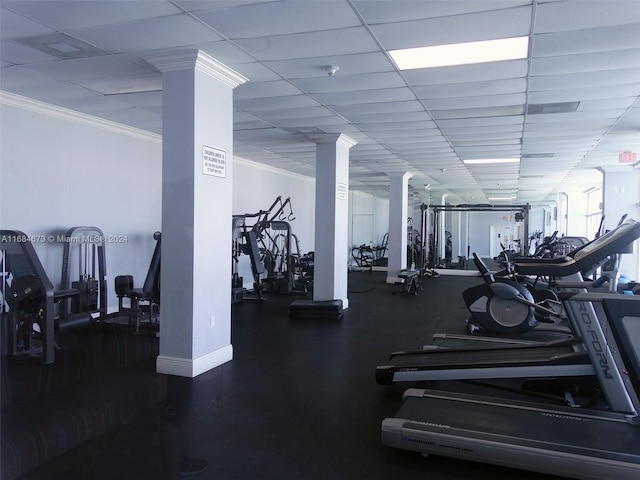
627, 157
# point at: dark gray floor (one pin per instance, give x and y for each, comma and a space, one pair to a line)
300, 401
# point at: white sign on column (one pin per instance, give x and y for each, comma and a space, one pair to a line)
214, 162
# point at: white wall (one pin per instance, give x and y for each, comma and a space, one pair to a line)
61, 169
368, 220
256, 186
621, 196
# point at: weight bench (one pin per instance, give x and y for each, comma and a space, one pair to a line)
410, 281
150, 291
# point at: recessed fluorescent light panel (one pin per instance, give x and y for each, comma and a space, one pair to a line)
461, 53
501, 198
481, 161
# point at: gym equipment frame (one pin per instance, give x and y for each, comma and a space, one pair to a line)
584, 443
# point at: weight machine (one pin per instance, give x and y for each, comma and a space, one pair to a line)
28, 303
276, 262
87, 244
432, 228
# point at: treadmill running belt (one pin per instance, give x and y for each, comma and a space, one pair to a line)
531, 360
554, 440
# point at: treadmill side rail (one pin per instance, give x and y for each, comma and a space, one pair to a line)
524, 437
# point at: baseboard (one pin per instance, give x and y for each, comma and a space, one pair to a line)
187, 367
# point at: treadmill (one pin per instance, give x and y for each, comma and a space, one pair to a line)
494, 360
583, 443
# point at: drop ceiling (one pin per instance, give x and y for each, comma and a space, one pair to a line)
567, 110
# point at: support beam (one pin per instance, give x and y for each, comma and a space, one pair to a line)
398, 214
332, 218
197, 171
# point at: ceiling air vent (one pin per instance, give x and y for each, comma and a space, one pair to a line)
61, 46
540, 108
538, 155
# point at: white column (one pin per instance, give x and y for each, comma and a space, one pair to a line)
332, 218
398, 213
197, 170
621, 195
442, 228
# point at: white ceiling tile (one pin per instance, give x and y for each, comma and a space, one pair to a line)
252, 90
586, 41
135, 116
455, 131
350, 83
468, 73
587, 62
593, 118
97, 105
510, 22
110, 86
562, 16
55, 93
482, 122
475, 102
489, 151
144, 99
349, 65
378, 110
388, 120
18, 54
13, 25
586, 80
199, 5
308, 122
370, 96
401, 136
586, 57
175, 31
406, 10
90, 68
408, 125
313, 44
231, 55
262, 104
255, 72
608, 104
70, 14
291, 113
472, 89
279, 18
580, 94
20, 77
513, 110
472, 139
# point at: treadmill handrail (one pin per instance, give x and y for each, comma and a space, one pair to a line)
587, 256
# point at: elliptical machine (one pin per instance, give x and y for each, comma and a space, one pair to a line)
506, 304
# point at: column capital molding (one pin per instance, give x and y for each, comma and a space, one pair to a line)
618, 168
403, 176
339, 138
198, 60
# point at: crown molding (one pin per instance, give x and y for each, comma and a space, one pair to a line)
339, 138
199, 60
42, 108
